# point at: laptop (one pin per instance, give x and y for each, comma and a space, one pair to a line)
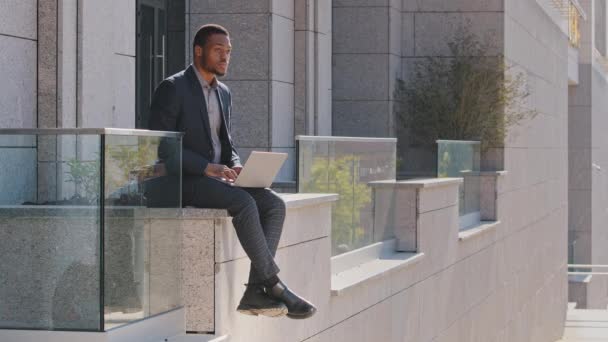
259, 171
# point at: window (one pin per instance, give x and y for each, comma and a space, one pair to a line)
160, 48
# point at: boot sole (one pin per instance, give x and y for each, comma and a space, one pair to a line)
268, 312
304, 316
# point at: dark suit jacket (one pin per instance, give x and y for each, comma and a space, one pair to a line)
178, 104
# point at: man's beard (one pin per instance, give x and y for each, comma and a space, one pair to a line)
218, 73
210, 69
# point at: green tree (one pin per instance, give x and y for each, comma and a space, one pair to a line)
468, 96
85, 176
341, 176
125, 161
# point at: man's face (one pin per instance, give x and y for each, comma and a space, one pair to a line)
215, 55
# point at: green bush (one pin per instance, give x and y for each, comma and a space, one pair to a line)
469, 96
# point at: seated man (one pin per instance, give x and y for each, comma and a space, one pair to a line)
193, 101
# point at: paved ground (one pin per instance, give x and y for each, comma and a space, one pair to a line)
586, 326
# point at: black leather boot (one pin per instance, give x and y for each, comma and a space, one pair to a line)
298, 307
256, 302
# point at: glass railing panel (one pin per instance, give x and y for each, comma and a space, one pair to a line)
142, 186
49, 232
346, 166
462, 159
89, 227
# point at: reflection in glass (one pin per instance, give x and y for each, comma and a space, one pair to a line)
345, 166
49, 232
142, 254
86, 218
462, 159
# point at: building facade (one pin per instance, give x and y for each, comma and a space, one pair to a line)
587, 146
330, 67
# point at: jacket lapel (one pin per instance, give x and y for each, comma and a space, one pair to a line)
199, 100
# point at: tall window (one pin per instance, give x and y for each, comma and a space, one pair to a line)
160, 48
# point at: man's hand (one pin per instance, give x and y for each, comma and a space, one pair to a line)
238, 169
222, 171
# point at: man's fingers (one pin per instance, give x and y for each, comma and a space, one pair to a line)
234, 174
230, 174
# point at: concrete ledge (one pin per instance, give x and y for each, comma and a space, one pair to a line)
31, 211
484, 227
304, 200
375, 261
494, 173
374, 269
417, 183
291, 201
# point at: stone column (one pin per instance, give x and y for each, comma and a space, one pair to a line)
261, 74
47, 98
312, 67
491, 190
366, 64
18, 104
106, 63
399, 207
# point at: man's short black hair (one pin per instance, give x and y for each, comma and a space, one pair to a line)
205, 31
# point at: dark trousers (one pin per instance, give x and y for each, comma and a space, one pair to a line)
257, 215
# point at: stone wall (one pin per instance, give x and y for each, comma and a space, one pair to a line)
18, 63
474, 285
106, 63
367, 50
536, 157
18, 104
587, 159
78, 70
52, 262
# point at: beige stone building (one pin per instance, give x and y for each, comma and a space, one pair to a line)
330, 68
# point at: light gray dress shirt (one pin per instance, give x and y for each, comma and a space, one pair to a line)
213, 110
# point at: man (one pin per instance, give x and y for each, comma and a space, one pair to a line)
193, 101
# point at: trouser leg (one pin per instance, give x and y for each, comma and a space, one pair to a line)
271, 210
209, 193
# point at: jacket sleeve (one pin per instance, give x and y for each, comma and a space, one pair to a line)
235, 160
164, 116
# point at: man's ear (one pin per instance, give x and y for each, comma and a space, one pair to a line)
198, 51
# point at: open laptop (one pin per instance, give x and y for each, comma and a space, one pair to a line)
259, 171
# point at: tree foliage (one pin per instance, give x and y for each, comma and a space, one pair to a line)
341, 176
470, 95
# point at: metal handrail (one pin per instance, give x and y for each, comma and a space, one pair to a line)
587, 272
586, 266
